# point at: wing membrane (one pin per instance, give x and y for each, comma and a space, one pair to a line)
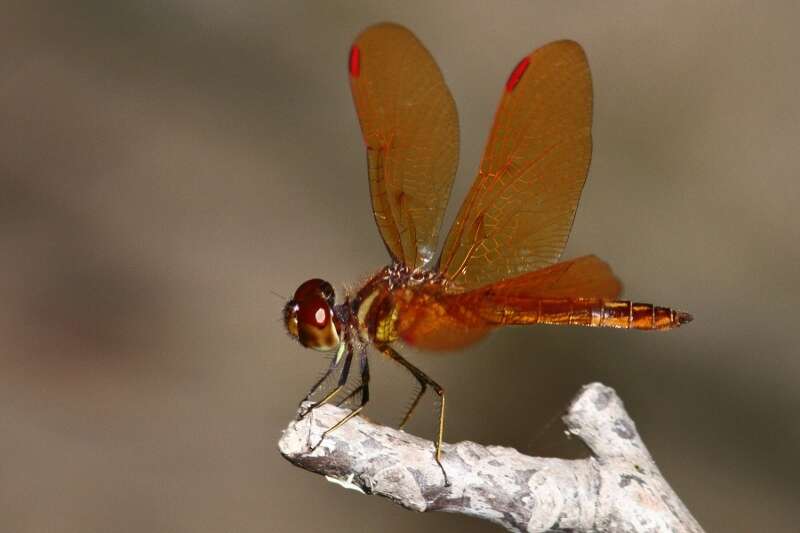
439, 321
519, 211
584, 277
410, 126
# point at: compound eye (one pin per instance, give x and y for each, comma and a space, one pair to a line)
310, 314
315, 288
326, 289
314, 312
316, 326
308, 289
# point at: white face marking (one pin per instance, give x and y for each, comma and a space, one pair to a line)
319, 316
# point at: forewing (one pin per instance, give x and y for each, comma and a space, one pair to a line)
519, 211
410, 126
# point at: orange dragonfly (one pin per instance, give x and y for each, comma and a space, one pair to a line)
500, 262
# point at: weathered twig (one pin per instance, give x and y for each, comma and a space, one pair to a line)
619, 489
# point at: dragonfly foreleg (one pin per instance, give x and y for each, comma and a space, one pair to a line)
363, 388
345, 373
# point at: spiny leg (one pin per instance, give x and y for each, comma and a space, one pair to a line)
425, 380
363, 388
339, 386
321, 380
417, 397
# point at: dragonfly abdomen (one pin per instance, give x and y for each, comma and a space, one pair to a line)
593, 312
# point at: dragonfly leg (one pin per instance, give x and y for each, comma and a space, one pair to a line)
363, 388
321, 380
417, 397
425, 381
339, 386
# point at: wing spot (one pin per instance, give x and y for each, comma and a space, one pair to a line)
354, 62
517, 73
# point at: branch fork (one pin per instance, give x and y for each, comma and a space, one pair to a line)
618, 489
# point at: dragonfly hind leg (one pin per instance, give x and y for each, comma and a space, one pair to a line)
424, 381
417, 397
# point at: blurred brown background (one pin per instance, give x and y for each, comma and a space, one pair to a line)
165, 165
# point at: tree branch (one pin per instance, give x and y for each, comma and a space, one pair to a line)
619, 489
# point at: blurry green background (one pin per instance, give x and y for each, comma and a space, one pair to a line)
165, 165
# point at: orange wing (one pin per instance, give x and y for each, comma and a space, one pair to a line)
580, 292
584, 277
410, 126
436, 320
518, 214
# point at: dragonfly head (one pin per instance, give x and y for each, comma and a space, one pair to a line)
309, 316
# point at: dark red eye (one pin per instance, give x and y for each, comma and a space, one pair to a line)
315, 288
314, 312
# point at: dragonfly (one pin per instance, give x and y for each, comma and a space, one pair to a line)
499, 265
